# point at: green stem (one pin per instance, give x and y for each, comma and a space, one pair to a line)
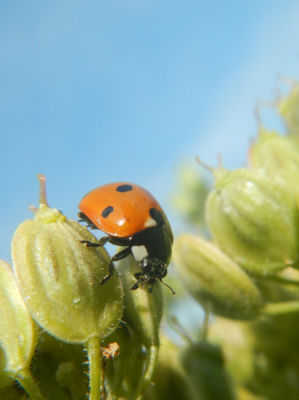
96, 384
177, 327
151, 362
26, 380
205, 325
284, 307
280, 280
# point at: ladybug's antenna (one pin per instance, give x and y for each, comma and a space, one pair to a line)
165, 284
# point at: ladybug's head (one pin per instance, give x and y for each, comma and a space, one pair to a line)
153, 270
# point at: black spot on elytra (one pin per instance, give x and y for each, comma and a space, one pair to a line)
107, 211
124, 188
157, 216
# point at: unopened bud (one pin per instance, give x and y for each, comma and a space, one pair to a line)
17, 329
123, 373
190, 199
204, 364
235, 339
278, 158
59, 277
143, 312
214, 280
170, 379
254, 220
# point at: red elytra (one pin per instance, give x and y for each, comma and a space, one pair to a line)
130, 204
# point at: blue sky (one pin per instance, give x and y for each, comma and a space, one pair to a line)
101, 91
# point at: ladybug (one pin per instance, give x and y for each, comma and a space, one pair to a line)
132, 218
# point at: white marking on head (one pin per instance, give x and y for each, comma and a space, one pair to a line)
139, 252
150, 223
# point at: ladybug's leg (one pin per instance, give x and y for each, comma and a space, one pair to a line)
118, 256
84, 218
140, 277
101, 243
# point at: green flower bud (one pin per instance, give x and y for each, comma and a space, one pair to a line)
277, 336
190, 199
17, 329
143, 310
170, 380
59, 368
236, 342
278, 158
245, 394
254, 220
12, 392
208, 378
142, 313
59, 277
288, 109
214, 280
124, 372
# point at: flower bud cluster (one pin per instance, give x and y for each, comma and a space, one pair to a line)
55, 285
253, 217
247, 269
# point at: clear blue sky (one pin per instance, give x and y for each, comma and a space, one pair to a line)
99, 91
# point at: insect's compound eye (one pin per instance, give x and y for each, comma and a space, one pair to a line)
161, 270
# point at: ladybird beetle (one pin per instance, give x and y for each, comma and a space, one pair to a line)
131, 217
